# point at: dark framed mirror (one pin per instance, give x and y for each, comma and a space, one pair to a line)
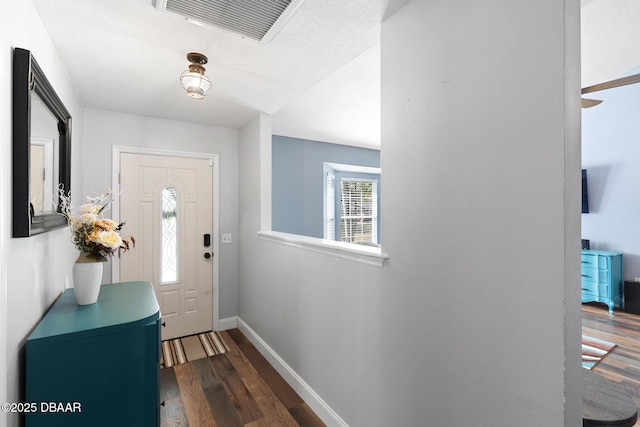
41, 149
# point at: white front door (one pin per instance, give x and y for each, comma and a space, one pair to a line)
167, 204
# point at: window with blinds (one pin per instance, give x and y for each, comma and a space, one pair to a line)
358, 211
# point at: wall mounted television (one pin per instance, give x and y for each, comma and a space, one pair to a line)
585, 192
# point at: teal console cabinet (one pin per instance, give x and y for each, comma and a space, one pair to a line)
96, 365
602, 277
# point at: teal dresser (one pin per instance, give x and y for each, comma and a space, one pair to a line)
96, 365
602, 277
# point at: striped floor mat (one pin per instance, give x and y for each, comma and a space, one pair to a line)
594, 350
194, 347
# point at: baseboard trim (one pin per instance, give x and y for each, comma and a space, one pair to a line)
228, 323
313, 399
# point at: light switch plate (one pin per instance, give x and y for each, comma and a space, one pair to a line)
226, 238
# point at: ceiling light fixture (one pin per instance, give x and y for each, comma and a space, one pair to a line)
193, 80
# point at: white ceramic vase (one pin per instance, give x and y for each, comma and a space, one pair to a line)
87, 275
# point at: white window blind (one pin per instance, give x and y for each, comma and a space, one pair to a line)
330, 208
359, 211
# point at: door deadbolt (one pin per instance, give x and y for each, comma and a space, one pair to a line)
208, 255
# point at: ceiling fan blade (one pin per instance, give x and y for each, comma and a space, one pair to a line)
612, 83
588, 103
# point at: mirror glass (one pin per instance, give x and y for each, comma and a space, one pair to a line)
44, 158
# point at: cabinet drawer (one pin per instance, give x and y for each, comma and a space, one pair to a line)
595, 261
589, 261
595, 288
589, 286
595, 275
589, 273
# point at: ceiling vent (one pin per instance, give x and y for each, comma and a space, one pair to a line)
256, 19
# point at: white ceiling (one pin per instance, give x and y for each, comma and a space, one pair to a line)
319, 76
610, 39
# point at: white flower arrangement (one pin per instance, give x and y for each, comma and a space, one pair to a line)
91, 234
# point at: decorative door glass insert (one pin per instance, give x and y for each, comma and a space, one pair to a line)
169, 258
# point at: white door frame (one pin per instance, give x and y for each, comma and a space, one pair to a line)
214, 160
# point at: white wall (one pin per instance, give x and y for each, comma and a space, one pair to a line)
458, 115
35, 270
104, 129
484, 260
611, 155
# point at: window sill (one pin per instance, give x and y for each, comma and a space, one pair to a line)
362, 254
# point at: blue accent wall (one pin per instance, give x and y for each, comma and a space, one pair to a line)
297, 181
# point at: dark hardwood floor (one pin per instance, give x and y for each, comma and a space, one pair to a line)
237, 388
240, 387
623, 363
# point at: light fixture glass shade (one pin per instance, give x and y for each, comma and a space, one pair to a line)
196, 84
